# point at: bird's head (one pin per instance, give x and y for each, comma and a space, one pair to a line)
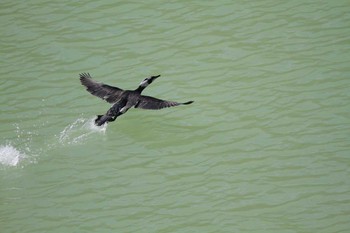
148, 81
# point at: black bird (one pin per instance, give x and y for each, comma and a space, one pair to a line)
123, 100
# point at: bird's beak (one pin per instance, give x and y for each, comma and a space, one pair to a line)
154, 77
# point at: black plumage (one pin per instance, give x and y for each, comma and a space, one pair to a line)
123, 100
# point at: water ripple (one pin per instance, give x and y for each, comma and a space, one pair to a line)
264, 146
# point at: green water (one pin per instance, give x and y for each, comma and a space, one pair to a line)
264, 148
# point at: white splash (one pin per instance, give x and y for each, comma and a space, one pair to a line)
10, 156
79, 130
21, 149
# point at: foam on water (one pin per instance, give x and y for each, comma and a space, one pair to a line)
79, 130
16, 150
10, 156
23, 145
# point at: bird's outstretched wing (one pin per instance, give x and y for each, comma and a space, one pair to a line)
104, 91
148, 102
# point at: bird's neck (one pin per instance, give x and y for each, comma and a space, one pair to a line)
139, 89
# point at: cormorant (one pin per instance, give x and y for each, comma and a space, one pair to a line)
123, 100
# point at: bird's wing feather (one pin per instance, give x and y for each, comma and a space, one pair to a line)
148, 102
108, 93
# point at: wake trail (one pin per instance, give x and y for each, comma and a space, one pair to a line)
79, 130
22, 149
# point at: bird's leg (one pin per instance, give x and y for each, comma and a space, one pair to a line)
113, 118
116, 116
117, 109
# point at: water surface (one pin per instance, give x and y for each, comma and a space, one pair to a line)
264, 148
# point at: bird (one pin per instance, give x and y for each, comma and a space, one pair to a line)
123, 100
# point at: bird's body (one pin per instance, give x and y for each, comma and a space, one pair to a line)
123, 100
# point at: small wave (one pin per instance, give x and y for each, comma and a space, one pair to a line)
10, 156
79, 130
